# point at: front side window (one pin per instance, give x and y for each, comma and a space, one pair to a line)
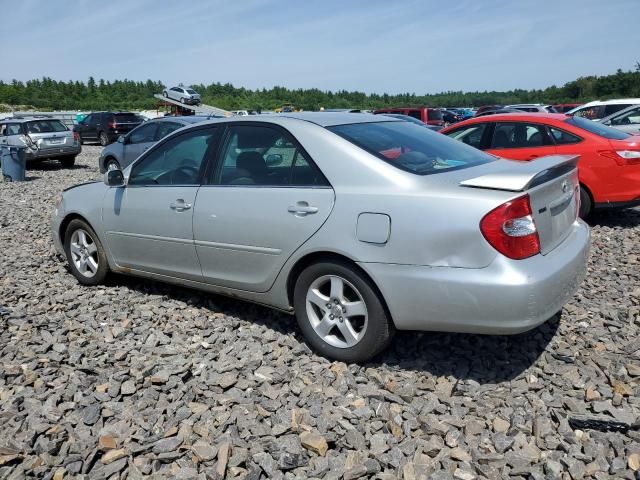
560, 137
415, 114
165, 128
632, 117
597, 128
265, 156
412, 148
433, 114
519, 135
46, 126
471, 135
144, 134
177, 161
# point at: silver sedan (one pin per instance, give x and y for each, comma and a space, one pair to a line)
360, 224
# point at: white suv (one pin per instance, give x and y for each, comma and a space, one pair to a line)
602, 108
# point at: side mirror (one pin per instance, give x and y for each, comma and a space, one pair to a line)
114, 178
273, 159
608, 122
122, 139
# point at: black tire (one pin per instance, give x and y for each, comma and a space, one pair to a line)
182, 100
379, 330
68, 162
586, 204
100, 257
166, 95
104, 140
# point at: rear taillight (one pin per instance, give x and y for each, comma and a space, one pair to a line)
511, 230
622, 157
76, 137
112, 124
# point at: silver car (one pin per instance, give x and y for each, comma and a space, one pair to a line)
360, 224
44, 138
185, 95
122, 153
627, 120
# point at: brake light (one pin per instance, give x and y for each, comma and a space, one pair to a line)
511, 230
622, 157
112, 124
76, 137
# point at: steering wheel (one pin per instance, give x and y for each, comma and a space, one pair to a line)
188, 171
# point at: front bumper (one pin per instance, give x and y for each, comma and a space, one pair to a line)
507, 297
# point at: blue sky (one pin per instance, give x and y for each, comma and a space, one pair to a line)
421, 46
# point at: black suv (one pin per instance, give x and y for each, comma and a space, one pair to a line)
106, 127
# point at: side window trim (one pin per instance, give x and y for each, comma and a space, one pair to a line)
212, 174
553, 139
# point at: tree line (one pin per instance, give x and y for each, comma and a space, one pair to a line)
49, 94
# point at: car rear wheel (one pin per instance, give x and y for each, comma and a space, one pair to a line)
165, 94
68, 162
85, 254
340, 313
586, 204
104, 140
111, 164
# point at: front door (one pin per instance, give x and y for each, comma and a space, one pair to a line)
521, 141
149, 222
264, 200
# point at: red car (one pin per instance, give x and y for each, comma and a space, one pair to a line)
565, 107
430, 116
609, 165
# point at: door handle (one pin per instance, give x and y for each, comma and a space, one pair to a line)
302, 209
179, 205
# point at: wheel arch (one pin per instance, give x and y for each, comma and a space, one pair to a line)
67, 220
106, 160
328, 256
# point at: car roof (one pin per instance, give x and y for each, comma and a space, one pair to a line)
611, 102
28, 119
506, 117
329, 119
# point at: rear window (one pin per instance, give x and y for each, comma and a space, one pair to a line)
433, 114
46, 126
412, 148
127, 117
597, 128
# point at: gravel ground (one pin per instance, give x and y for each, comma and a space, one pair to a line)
138, 378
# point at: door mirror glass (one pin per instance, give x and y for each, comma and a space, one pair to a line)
122, 139
114, 178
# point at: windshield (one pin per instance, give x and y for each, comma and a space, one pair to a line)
597, 128
46, 126
190, 91
411, 147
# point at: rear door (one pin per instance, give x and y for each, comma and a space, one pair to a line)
521, 141
264, 199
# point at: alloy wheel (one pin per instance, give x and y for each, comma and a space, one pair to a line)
84, 253
337, 311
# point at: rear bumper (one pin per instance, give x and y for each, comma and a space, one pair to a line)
507, 297
52, 152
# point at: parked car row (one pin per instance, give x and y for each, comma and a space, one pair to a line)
339, 218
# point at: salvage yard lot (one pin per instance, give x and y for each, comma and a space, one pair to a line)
138, 377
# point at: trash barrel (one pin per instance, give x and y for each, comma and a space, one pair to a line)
14, 163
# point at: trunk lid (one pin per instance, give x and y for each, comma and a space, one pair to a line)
47, 141
553, 188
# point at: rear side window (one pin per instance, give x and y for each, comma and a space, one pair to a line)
46, 126
471, 135
265, 156
611, 109
433, 114
597, 128
10, 129
591, 113
126, 117
560, 137
519, 135
412, 148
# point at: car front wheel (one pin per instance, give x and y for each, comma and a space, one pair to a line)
340, 312
85, 253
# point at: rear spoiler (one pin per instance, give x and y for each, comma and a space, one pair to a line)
521, 176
